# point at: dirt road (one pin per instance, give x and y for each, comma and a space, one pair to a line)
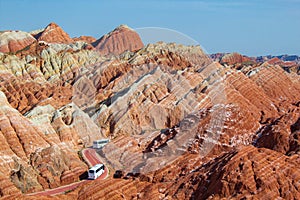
92, 158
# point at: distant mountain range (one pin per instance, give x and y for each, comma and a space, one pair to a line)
285, 57
287, 62
293, 58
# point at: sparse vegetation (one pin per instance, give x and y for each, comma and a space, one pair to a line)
250, 62
80, 155
68, 191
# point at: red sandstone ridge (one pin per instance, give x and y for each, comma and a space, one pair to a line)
234, 58
53, 34
277, 61
12, 41
87, 39
119, 40
255, 173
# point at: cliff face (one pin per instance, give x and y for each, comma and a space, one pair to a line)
180, 124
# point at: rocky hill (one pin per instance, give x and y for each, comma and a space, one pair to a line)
181, 126
119, 40
13, 41
53, 34
287, 62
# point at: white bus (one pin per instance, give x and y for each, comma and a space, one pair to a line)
96, 171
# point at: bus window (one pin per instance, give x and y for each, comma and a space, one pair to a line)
96, 171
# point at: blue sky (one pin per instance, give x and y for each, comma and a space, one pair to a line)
251, 27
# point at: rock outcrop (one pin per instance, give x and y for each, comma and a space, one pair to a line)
251, 172
87, 39
13, 41
31, 159
282, 135
240, 62
119, 40
53, 34
234, 58
289, 66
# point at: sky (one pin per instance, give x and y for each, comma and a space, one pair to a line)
250, 27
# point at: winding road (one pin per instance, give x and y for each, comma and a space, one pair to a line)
92, 158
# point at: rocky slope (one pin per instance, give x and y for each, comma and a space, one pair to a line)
238, 61
181, 126
13, 41
234, 58
293, 58
251, 104
119, 40
87, 39
53, 34
32, 159
252, 173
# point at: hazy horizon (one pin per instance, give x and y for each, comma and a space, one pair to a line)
252, 28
